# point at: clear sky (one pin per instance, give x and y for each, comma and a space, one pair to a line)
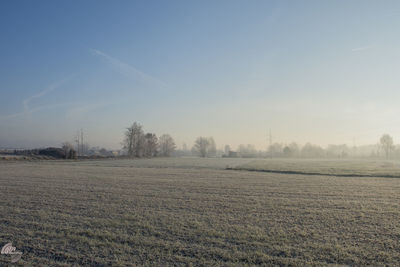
325, 72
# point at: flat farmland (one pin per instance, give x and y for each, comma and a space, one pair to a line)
333, 167
184, 212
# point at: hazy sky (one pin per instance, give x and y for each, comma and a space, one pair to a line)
325, 72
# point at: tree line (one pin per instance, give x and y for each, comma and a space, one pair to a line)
384, 148
139, 144
205, 147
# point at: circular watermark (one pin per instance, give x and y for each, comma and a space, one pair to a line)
8, 249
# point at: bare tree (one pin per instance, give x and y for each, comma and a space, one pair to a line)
275, 149
227, 149
247, 151
212, 147
386, 142
66, 147
200, 146
166, 145
134, 140
294, 149
150, 145
312, 151
287, 152
184, 147
204, 147
69, 150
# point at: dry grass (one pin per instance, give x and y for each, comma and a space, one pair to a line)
111, 213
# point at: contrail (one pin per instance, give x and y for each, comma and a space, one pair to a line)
50, 88
362, 48
33, 110
129, 70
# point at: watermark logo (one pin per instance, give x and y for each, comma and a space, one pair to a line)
10, 250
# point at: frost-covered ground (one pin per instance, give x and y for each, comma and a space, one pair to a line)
193, 211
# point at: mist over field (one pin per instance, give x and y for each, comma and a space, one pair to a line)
199, 133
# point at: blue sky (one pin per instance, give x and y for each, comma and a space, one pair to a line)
311, 71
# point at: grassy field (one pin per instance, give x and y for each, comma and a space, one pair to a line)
194, 212
338, 167
174, 163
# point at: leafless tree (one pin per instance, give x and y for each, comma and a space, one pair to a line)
184, 147
212, 147
227, 149
275, 149
200, 146
294, 149
247, 151
134, 140
166, 145
386, 142
69, 150
204, 147
287, 152
150, 145
312, 151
